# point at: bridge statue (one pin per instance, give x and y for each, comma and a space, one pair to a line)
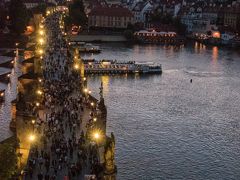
101, 91
103, 110
109, 157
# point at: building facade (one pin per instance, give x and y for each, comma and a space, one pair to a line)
232, 18
110, 17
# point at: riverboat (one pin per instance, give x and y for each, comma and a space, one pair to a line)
93, 66
85, 47
154, 37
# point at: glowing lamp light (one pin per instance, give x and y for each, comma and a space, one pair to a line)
85, 90
41, 32
40, 80
2, 94
95, 119
96, 135
76, 66
41, 26
40, 51
37, 104
32, 137
41, 41
216, 34
33, 121
89, 92
39, 92
84, 78
92, 104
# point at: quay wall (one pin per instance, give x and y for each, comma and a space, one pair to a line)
102, 38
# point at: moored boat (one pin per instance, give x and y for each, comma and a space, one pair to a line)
93, 66
85, 47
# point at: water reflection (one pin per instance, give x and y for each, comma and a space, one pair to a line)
169, 128
105, 82
199, 47
215, 53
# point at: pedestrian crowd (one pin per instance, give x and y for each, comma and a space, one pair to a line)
62, 150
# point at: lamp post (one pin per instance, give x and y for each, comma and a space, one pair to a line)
32, 138
33, 123
96, 136
16, 44
39, 92
37, 104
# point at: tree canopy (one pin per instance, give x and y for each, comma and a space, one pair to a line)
77, 15
165, 18
8, 159
19, 16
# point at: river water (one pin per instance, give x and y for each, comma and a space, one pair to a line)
167, 127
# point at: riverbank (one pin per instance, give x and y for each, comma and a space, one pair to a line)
98, 38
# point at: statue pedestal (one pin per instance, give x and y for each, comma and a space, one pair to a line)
110, 176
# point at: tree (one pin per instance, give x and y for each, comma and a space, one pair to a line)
8, 159
77, 15
41, 8
19, 16
129, 34
181, 28
3, 15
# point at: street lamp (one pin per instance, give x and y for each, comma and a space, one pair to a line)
41, 32
32, 137
33, 121
39, 92
40, 51
76, 66
85, 90
41, 41
96, 135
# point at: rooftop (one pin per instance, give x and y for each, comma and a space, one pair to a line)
114, 11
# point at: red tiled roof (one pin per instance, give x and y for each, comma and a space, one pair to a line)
33, 1
115, 11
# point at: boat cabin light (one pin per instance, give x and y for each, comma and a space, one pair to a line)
106, 63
